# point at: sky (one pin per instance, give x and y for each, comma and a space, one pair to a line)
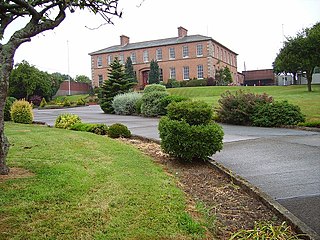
254, 29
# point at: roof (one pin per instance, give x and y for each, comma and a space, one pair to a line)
154, 43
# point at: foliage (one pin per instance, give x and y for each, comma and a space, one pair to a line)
81, 102
151, 105
97, 128
278, 113
66, 120
21, 112
154, 73
265, 230
116, 84
196, 82
119, 130
7, 108
43, 103
169, 99
35, 100
189, 142
172, 83
193, 112
66, 103
190, 226
315, 124
126, 104
82, 79
223, 76
129, 71
238, 108
57, 79
154, 87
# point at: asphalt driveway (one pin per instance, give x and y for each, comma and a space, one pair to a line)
284, 163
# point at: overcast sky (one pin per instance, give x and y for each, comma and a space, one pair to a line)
252, 28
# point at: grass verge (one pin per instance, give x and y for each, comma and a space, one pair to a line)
87, 186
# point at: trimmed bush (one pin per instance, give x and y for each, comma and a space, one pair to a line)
119, 130
43, 103
172, 83
66, 103
35, 100
126, 104
7, 108
183, 141
21, 112
152, 103
277, 114
66, 120
170, 99
193, 112
154, 88
239, 107
196, 82
81, 102
100, 129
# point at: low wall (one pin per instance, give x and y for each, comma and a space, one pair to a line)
75, 88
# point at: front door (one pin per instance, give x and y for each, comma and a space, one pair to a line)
145, 77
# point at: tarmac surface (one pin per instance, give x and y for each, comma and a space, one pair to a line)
284, 163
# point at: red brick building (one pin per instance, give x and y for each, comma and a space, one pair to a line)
183, 57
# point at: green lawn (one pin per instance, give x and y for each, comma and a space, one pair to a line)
309, 102
88, 186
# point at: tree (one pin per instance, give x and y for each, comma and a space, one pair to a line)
129, 71
116, 83
40, 15
300, 54
223, 76
154, 72
56, 80
82, 79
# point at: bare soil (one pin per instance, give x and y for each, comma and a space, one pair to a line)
16, 173
233, 208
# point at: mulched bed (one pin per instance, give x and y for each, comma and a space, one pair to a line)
233, 207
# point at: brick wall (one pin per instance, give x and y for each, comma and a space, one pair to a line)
75, 88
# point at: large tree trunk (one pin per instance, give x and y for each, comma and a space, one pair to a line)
309, 79
6, 65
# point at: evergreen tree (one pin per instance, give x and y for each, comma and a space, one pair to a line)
116, 84
154, 73
129, 72
223, 76
227, 75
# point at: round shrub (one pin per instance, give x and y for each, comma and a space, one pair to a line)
170, 99
152, 103
118, 130
279, 113
21, 112
193, 112
126, 104
154, 88
7, 108
183, 141
43, 103
66, 120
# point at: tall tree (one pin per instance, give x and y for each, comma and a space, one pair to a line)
82, 79
41, 15
116, 83
223, 76
129, 71
154, 72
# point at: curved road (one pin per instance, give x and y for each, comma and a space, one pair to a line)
284, 163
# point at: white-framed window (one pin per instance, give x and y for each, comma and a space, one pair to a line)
159, 54
109, 59
145, 56
133, 57
186, 73
185, 51
100, 80
160, 74
99, 61
199, 50
221, 55
172, 53
172, 74
200, 71
121, 58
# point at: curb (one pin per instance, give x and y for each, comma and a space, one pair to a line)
299, 226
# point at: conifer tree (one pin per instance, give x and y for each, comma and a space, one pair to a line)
116, 84
129, 72
154, 73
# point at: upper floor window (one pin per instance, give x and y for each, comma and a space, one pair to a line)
172, 74
200, 71
172, 53
99, 61
109, 59
121, 58
145, 56
186, 73
100, 80
133, 57
199, 50
159, 54
185, 51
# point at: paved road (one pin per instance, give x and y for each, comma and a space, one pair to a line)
284, 163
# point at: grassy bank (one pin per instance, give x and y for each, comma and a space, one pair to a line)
87, 186
307, 101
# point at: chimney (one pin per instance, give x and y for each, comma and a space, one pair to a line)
182, 32
124, 40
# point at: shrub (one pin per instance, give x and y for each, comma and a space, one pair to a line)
183, 83
81, 102
181, 140
277, 114
35, 100
196, 82
151, 103
7, 108
66, 120
126, 104
193, 112
154, 88
239, 107
66, 103
211, 81
138, 106
172, 83
118, 130
21, 112
100, 129
315, 124
43, 103
169, 99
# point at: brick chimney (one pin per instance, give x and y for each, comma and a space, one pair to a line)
182, 32
124, 40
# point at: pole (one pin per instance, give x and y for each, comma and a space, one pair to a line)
69, 83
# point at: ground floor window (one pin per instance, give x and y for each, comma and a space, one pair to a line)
172, 73
100, 79
200, 71
186, 73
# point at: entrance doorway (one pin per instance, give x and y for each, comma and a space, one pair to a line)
145, 77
